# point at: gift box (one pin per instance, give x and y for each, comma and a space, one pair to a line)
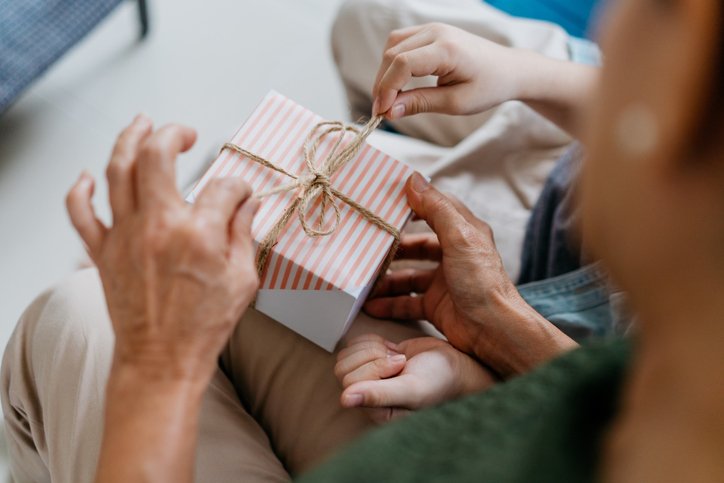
323, 236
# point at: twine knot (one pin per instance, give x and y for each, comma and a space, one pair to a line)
315, 184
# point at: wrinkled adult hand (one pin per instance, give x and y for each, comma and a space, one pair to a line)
176, 277
468, 297
393, 379
473, 74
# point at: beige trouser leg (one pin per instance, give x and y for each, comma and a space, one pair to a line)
287, 383
54, 374
56, 366
360, 32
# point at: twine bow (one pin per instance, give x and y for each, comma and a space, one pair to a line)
315, 184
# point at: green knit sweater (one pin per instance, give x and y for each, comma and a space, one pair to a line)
546, 426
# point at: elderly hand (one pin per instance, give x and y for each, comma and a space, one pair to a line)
395, 378
468, 297
176, 277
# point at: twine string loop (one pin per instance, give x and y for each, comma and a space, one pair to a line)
315, 184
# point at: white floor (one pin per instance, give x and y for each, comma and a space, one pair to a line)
205, 64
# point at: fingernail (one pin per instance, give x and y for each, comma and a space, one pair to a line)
376, 107
391, 352
353, 400
397, 111
397, 359
419, 183
391, 345
142, 119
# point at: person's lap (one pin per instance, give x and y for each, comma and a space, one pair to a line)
271, 409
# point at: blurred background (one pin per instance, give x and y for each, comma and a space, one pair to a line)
213, 60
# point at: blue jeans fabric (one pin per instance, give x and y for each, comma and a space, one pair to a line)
578, 303
550, 247
555, 280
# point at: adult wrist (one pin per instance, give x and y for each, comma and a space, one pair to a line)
514, 339
158, 365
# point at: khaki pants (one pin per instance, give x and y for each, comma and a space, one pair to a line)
272, 408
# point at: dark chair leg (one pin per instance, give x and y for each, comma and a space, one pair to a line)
143, 17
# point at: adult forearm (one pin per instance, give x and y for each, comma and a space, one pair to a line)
558, 90
523, 339
150, 427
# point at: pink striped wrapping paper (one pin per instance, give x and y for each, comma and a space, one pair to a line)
314, 286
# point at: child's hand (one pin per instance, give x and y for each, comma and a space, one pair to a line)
394, 378
474, 74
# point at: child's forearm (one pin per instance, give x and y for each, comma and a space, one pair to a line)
558, 90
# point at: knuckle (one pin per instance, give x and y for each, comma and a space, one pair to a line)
201, 247
199, 227
433, 27
153, 150
124, 138
154, 242
218, 187
117, 170
420, 103
436, 203
374, 398
401, 61
370, 352
339, 370
438, 28
448, 45
395, 36
464, 235
155, 233
347, 380
381, 365
486, 229
389, 55
72, 196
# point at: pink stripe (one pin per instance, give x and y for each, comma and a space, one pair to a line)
298, 237
370, 230
263, 175
263, 138
321, 261
322, 250
375, 166
346, 176
383, 236
284, 160
306, 261
275, 208
311, 248
403, 212
277, 264
241, 134
270, 178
